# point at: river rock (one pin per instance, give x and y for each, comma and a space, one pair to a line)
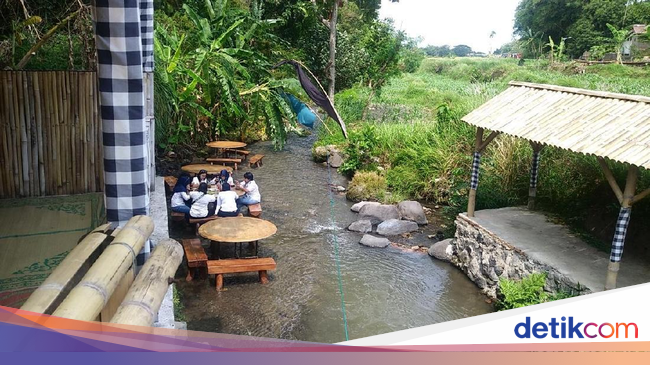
336, 160
372, 241
442, 250
363, 226
357, 207
412, 211
395, 227
319, 154
379, 213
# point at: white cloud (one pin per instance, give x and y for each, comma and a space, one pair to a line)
454, 22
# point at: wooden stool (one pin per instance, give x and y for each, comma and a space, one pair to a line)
178, 216
256, 161
234, 161
231, 266
196, 257
255, 210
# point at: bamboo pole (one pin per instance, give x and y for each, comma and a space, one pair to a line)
611, 180
143, 300
54, 97
4, 120
532, 189
39, 133
50, 168
15, 132
84, 135
471, 202
67, 274
34, 134
73, 102
6, 136
23, 135
628, 198
12, 131
47, 134
67, 128
90, 296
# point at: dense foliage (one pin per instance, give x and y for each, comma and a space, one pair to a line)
527, 291
582, 22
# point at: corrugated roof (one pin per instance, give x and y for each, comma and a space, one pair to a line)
615, 126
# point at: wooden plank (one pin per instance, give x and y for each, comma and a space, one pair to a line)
219, 159
227, 266
194, 251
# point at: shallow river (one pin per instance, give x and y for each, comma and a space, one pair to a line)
385, 290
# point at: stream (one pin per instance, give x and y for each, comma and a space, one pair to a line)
385, 290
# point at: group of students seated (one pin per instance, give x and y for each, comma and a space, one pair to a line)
191, 195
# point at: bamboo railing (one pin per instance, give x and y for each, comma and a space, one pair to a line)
50, 133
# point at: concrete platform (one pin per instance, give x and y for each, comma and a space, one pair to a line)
555, 246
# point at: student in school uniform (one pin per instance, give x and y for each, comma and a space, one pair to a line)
252, 195
224, 177
201, 177
181, 200
203, 205
227, 202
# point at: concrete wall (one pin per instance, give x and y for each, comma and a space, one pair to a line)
485, 257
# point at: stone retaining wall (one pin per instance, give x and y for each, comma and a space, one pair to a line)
485, 258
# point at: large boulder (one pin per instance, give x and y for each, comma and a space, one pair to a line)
372, 241
379, 213
363, 226
357, 207
442, 250
395, 227
412, 211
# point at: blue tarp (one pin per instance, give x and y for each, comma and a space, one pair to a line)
305, 116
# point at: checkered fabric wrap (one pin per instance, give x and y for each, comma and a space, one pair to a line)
475, 169
533, 170
619, 235
146, 31
120, 72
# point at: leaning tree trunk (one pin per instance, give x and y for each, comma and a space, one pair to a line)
332, 62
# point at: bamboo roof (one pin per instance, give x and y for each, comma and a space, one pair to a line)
615, 126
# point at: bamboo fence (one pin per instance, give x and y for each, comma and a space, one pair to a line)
51, 133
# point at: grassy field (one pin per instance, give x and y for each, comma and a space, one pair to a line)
417, 141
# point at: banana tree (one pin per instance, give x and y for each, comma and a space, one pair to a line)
619, 36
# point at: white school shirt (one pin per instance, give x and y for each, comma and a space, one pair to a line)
227, 201
195, 181
200, 206
178, 199
253, 190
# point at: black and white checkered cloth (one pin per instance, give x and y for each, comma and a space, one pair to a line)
475, 169
119, 40
619, 235
533, 170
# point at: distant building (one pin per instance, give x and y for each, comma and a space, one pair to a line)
635, 42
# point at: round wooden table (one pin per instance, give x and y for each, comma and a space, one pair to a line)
211, 169
225, 144
237, 230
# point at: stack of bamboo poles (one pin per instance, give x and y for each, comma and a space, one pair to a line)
51, 133
88, 285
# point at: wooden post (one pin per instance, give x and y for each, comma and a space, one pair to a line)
89, 297
534, 169
621, 227
143, 300
471, 203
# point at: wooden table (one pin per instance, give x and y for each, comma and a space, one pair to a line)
238, 191
211, 169
221, 146
237, 230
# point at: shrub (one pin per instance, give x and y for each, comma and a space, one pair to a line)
367, 186
527, 291
360, 150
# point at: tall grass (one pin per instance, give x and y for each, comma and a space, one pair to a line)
426, 150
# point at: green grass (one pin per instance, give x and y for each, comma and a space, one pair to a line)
426, 150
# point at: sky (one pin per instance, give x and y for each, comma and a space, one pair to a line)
454, 22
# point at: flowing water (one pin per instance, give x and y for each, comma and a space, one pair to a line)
385, 290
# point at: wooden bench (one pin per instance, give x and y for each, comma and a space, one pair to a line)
255, 210
178, 216
232, 266
256, 160
243, 153
234, 161
196, 257
197, 222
